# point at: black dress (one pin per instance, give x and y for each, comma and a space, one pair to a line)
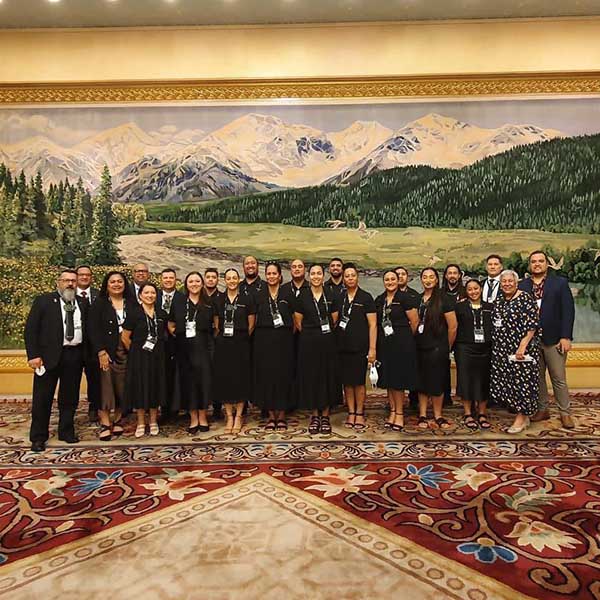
145, 382
273, 362
353, 336
473, 352
193, 330
396, 352
317, 378
232, 371
432, 349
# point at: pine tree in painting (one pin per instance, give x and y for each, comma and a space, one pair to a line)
103, 245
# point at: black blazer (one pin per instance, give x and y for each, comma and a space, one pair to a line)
93, 294
177, 297
103, 326
557, 313
44, 332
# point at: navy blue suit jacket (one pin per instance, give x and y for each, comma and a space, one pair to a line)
557, 313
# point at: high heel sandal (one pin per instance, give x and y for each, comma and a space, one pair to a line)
398, 426
154, 430
360, 426
326, 425
390, 424
348, 424
140, 431
315, 425
236, 430
105, 429
117, 428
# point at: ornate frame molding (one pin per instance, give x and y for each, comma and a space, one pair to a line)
527, 84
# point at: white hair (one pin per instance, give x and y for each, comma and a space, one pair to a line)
509, 273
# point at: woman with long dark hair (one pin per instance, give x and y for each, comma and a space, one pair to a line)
318, 382
397, 318
473, 353
105, 324
191, 321
234, 320
144, 336
357, 343
274, 348
436, 333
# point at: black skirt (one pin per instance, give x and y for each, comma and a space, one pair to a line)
317, 380
432, 370
145, 381
195, 372
397, 354
273, 360
353, 368
473, 364
232, 377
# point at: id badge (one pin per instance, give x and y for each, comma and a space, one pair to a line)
421, 328
539, 302
149, 344
325, 327
277, 320
190, 329
498, 323
343, 323
228, 329
388, 329
479, 336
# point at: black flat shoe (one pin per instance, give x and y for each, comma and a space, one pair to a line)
193, 430
38, 446
203, 428
281, 425
117, 428
69, 439
105, 433
326, 425
270, 426
315, 425
396, 427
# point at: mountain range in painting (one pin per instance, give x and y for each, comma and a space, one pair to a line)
258, 153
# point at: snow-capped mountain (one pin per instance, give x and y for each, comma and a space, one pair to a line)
256, 153
440, 141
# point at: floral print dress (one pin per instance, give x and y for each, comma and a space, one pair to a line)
515, 384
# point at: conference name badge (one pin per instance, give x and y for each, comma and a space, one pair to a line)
325, 327
421, 328
149, 344
277, 320
479, 336
228, 329
343, 323
190, 329
388, 329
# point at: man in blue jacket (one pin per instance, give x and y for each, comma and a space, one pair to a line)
557, 315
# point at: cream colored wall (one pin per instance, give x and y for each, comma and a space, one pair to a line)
300, 51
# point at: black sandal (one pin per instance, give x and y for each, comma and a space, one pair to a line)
270, 426
483, 422
119, 431
440, 422
104, 429
326, 425
347, 424
423, 420
470, 422
281, 425
315, 425
360, 426
387, 424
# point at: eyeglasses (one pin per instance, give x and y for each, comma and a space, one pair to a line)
141, 271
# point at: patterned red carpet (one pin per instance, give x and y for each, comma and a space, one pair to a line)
264, 515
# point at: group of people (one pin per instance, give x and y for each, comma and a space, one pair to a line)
306, 344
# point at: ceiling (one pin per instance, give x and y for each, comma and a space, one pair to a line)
137, 13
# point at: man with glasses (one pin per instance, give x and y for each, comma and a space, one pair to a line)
141, 275
54, 340
91, 367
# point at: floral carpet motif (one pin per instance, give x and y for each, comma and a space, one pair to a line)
521, 516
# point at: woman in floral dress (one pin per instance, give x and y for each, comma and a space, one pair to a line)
515, 352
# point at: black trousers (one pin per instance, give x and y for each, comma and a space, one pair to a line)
68, 372
91, 368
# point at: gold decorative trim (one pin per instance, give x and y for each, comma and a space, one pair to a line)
15, 361
272, 89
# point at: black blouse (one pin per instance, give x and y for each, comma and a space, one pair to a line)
266, 307
401, 303
139, 324
183, 309
242, 306
290, 288
469, 318
429, 339
305, 305
355, 337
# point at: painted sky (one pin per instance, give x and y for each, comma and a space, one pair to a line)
67, 126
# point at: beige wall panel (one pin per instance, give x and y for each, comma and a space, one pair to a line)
300, 51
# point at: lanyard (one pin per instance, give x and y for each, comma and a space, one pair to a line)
324, 297
152, 324
350, 305
477, 316
120, 320
274, 305
386, 310
187, 311
423, 311
230, 309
